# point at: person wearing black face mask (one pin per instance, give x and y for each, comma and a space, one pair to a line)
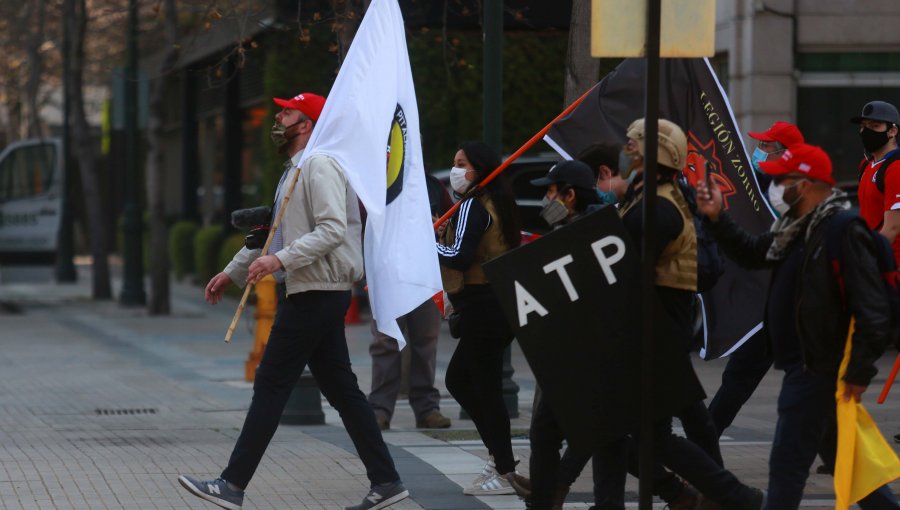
879, 171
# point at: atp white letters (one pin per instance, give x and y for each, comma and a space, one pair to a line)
526, 303
559, 265
606, 261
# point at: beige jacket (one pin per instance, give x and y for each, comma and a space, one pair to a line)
321, 228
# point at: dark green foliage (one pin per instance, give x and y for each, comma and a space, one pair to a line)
181, 247
447, 74
293, 65
207, 243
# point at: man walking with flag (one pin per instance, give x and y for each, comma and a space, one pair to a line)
808, 311
371, 103
316, 252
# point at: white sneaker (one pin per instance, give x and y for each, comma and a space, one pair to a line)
494, 485
489, 470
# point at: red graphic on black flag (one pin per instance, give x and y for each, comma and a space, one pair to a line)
702, 158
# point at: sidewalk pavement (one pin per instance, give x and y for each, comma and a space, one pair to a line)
101, 407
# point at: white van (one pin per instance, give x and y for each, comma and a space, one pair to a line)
31, 192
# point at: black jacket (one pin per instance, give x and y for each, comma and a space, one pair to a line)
821, 317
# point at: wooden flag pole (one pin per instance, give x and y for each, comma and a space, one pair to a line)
890, 380
503, 166
265, 250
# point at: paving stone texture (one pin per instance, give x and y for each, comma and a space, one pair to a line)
101, 407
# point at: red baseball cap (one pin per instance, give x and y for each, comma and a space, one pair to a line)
307, 103
782, 132
809, 160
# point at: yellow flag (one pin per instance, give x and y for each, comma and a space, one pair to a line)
864, 461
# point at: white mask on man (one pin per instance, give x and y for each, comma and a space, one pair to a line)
776, 197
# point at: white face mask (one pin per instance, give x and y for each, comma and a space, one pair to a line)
458, 180
776, 197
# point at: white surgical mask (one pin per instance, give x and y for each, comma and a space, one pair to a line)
776, 197
458, 180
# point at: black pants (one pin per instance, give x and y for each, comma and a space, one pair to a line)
695, 465
475, 372
309, 329
700, 430
745, 369
547, 471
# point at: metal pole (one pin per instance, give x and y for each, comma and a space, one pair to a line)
65, 267
132, 224
493, 136
493, 73
648, 262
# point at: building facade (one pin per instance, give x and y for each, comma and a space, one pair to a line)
811, 62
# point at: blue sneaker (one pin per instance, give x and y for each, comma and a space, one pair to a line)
215, 491
382, 496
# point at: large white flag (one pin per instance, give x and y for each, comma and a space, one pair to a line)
370, 125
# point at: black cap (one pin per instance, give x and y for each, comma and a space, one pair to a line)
574, 173
880, 111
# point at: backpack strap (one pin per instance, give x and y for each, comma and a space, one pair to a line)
892, 158
862, 168
837, 229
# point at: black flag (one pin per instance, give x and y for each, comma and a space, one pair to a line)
692, 97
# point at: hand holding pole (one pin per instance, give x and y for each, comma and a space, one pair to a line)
265, 250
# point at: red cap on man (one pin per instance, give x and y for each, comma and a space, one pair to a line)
782, 132
307, 103
810, 161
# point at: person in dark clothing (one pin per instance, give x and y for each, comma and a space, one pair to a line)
676, 282
807, 316
485, 227
569, 195
748, 365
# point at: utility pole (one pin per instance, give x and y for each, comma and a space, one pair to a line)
648, 247
65, 267
132, 225
493, 135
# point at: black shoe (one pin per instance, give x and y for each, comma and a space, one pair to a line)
823, 470
382, 496
897, 438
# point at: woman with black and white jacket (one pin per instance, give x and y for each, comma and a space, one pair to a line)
485, 227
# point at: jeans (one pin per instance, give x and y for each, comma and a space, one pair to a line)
308, 329
806, 412
745, 369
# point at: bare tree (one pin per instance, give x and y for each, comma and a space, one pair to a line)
35, 41
76, 15
582, 70
348, 14
159, 252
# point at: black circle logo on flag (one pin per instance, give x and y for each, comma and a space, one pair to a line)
396, 155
